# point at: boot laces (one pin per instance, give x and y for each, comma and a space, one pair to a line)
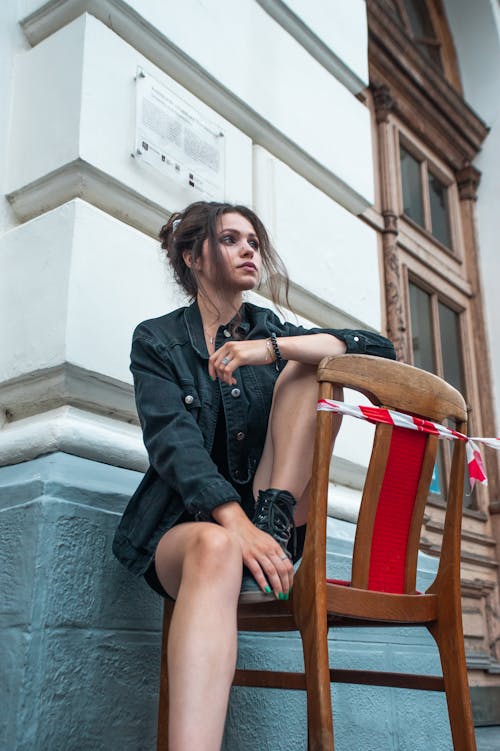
276, 519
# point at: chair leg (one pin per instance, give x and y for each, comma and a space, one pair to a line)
319, 708
450, 642
162, 741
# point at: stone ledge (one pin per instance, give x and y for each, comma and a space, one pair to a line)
67, 385
79, 179
73, 431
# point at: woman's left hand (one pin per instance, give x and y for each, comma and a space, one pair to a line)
232, 355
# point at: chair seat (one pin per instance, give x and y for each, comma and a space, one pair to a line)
347, 602
276, 615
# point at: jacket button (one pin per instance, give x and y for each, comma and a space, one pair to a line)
240, 436
227, 334
356, 338
189, 399
235, 393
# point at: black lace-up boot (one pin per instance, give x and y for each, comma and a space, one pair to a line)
274, 515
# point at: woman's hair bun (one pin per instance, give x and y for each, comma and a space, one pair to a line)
167, 232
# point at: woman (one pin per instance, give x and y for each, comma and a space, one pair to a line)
226, 396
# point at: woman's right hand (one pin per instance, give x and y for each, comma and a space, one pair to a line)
262, 555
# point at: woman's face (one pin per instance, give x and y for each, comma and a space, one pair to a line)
240, 252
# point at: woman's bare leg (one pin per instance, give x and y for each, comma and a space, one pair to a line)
200, 564
288, 450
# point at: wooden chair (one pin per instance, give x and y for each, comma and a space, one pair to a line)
382, 590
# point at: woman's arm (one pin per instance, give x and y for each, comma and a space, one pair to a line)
295, 343
310, 349
307, 348
171, 434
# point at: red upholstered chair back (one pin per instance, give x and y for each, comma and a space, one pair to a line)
386, 523
400, 470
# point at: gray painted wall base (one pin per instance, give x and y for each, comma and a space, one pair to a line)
80, 637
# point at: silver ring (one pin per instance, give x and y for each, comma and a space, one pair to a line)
226, 360
284, 558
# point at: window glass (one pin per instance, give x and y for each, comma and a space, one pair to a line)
421, 313
421, 328
451, 347
412, 187
423, 357
438, 197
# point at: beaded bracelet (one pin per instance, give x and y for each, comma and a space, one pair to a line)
277, 354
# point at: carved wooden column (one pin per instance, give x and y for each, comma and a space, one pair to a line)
395, 312
468, 179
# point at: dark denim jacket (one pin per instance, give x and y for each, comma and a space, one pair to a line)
178, 405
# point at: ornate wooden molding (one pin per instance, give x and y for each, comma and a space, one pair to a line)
382, 100
479, 560
395, 313
390, 223
468, 179
477, 588
480, 539
420, 94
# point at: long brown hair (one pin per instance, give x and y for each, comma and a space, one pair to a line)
187, 230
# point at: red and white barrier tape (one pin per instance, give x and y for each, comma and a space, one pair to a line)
399, 419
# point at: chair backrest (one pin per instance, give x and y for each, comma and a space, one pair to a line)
400, 469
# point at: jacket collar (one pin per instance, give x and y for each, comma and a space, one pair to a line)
194, 325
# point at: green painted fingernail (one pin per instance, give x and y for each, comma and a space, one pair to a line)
283, 596
267, 590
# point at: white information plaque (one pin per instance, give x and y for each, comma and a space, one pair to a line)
178, 141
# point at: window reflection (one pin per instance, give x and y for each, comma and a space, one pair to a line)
437, 347
421, 329
438, 198
412, 187
451, 347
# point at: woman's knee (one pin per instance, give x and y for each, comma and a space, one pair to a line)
297, 381
297, 372
296, 369
212, 548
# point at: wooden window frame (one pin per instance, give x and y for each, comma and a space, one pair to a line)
442, 39
419, 274
433, 41
429, 164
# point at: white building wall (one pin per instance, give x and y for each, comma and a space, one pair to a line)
82, 212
